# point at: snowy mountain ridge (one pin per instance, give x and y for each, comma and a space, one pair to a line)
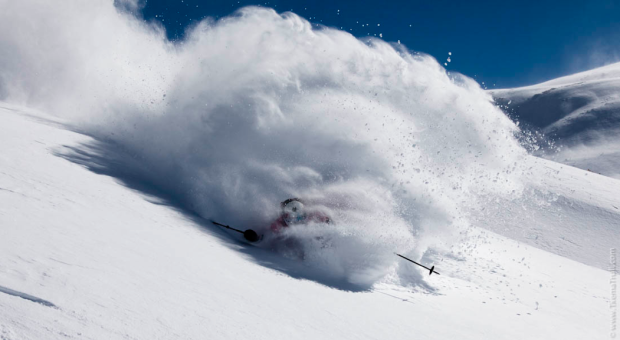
580, 112
604, 73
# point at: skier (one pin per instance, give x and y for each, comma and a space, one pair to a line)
294, 212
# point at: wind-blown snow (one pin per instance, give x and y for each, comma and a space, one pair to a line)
259, 107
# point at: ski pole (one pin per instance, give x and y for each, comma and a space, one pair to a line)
249, 234
431, 269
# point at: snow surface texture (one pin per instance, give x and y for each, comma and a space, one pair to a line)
259, 107
580, 112
250, 110
120, 264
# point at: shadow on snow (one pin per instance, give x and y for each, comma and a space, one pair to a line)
109, 159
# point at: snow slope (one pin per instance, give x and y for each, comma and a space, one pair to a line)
581, 112
105, 209
121, 264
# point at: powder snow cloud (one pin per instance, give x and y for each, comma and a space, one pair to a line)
257, 107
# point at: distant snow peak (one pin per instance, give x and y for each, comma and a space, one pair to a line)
579, 112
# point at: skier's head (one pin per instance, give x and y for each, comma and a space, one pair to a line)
293, 211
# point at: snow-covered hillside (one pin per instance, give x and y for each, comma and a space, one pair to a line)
118, 146
581, 112
121, 264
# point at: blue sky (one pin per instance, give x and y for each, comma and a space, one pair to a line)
506, 43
